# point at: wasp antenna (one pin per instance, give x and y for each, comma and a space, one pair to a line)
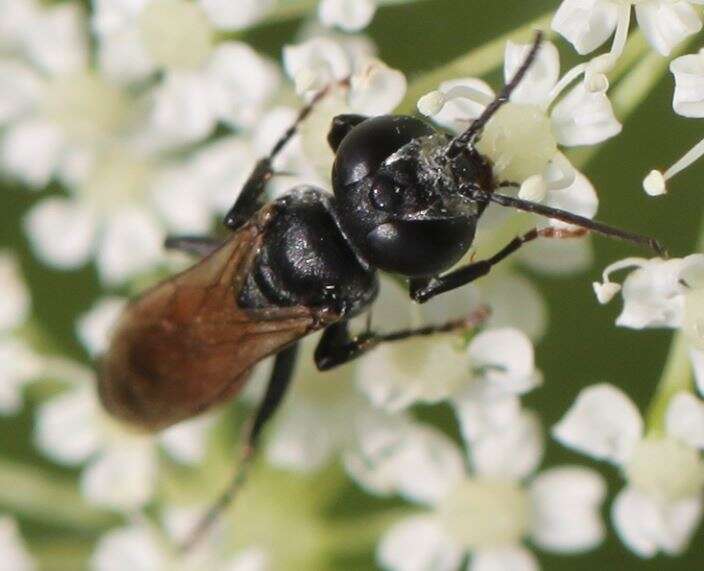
571, 218
463, 139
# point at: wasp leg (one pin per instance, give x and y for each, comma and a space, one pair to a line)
250, 197
336, 347
279, 381
196, 245
423, 289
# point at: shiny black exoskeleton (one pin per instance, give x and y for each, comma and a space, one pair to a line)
407, 199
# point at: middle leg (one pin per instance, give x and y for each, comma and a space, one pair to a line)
337, 347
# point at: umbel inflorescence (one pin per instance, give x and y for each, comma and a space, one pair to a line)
118, 130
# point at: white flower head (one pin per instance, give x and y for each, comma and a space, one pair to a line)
587, 24
94, 328
523, 138
374, 88
13, 551
205, 81
56, 113
120, 464
488, 512
141, 546
662, 503
655, 293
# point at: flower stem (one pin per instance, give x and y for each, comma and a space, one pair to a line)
476, 62
676, 377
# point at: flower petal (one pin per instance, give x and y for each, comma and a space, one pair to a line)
566, 505
57, 41
122, 477
506, 360
481, 417
315, 63
685, 419
15, 556
132, 243
688, 99
513, 452
513, 558
603, 422
652, 295
31, 150
458, 112
418, 544
20, 90
66, 428
396, 456
584, 117
647, 527
666, 24
298, 443
586, 24
186, 441
135, 548
183, 111
541, 77
94, 328
240, 82
394, 376
61, 232
228, 15
375, 88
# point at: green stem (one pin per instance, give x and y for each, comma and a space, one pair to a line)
676, 377
476, 62
28, 492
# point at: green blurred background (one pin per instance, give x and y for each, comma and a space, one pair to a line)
582, 345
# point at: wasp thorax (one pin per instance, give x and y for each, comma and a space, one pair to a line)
482, 514
176, 34
519, 142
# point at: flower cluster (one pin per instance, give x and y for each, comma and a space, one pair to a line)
123, 130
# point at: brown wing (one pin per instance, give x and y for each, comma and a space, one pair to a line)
185, 345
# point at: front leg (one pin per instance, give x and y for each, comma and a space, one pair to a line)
423, 289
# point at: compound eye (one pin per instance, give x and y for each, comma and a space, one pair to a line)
386, 195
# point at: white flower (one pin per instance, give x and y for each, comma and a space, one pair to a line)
662, 504
13, 552
55, 111
142, 547
18, 362
94, 328
587, 24
654, 293
688, 101
374, 87
320, 413
121, 464
205, 82
487, 512
522, 139
482, 381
